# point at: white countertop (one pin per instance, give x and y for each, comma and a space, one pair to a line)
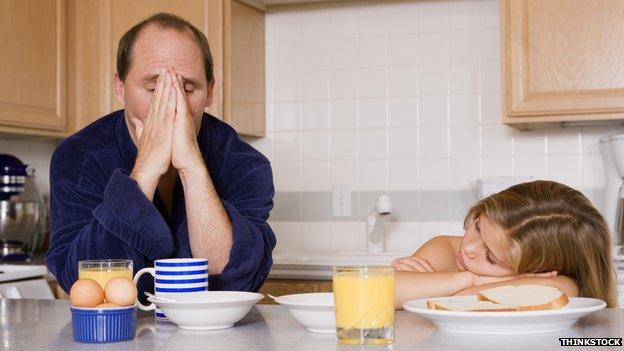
46, 324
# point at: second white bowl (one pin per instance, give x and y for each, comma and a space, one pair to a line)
315, 311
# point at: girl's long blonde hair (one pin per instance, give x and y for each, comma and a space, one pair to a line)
552, 227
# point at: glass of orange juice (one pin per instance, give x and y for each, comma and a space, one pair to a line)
364, 300
104, 270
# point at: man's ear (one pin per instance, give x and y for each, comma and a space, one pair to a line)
210, 93
119, 89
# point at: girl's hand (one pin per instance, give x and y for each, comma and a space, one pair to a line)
412, 264
483, 279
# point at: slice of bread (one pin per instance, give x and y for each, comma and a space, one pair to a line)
526, 297
507, 298
474, 306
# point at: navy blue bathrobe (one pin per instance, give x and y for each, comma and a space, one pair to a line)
99, 212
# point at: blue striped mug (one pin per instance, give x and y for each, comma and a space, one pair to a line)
175, 275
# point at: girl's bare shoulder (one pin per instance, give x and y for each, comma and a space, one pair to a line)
441, 252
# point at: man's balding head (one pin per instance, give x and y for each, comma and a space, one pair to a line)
164, 21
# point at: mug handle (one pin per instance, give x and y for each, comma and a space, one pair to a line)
151, 271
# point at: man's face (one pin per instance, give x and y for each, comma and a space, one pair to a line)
156, 49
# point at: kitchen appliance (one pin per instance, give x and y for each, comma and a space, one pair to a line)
24, 282
21, 210
612, 150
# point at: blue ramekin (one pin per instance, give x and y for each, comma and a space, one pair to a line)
102, 325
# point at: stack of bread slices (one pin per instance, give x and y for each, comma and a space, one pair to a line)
507, 298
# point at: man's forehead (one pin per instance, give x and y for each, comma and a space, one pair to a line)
157, 48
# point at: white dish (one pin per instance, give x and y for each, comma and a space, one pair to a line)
315, 311
207, 310
505, 323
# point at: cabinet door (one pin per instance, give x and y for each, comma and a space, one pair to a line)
562, 60
32, 66
244, 88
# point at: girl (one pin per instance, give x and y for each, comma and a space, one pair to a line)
540, 232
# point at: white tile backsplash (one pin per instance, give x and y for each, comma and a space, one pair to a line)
403, 112
315, 176
316, 236
401, 96
343, 83
433, 48
344, 145
315, 115
346, 236
373, 113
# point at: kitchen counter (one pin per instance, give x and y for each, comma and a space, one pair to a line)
46, 324
319, 264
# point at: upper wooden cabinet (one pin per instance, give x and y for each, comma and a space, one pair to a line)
60, 60
562, 60
227, 23
32, 66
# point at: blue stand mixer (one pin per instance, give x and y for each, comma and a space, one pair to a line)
21, 211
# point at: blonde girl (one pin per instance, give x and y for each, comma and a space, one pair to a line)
540, 232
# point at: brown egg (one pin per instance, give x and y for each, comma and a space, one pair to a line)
106, 305
86, 293
121, 291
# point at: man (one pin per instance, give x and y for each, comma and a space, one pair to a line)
161, 178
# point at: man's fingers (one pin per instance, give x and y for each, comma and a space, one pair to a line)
171, 105
164, 101
158, 91
182, 105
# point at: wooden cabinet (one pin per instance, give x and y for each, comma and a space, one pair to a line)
32, 66
60, 58
279, 287
562, 60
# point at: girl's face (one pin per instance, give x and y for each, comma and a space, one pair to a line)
484, 249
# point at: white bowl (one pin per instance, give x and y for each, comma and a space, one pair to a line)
315, 311
207, 310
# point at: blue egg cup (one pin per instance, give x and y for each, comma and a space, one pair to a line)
103, 325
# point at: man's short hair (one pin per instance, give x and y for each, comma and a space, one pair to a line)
167, 21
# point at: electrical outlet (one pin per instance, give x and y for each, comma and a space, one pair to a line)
341, 201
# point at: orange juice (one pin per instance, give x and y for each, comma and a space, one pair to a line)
364, 299
104, 270
103, 276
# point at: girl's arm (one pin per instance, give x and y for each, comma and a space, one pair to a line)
416, 285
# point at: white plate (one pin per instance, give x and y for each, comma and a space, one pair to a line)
524, 322
207, 310
315, 311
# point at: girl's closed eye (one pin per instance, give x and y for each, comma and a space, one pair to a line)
489, 259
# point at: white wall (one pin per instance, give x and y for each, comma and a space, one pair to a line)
399, 97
